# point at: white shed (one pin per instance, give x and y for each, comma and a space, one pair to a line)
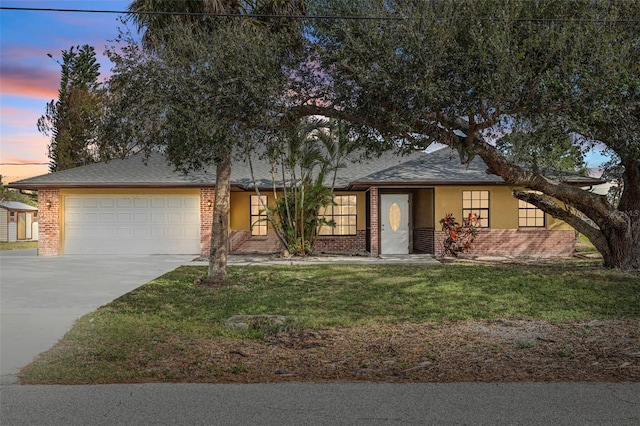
18, 222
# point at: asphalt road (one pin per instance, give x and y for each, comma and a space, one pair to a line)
323, 404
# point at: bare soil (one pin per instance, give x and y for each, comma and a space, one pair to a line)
485, 351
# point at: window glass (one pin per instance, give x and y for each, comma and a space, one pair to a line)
476, 203
343, 213
258, 215
529, 215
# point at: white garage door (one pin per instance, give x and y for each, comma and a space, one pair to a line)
132, 224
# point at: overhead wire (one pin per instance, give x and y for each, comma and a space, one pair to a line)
302, 17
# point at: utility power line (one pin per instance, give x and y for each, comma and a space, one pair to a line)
302, 17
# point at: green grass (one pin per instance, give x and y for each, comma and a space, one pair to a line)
583, 245
103, 345
18, 245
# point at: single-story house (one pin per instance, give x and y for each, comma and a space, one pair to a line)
386, 205
18, 222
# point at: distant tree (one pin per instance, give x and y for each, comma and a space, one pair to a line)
8, 194
71, 121
545, 150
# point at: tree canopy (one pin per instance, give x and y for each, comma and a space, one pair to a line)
71, 121
527, 85
465, 72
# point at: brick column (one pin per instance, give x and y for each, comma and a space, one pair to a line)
48, 222
373, 222
206, 218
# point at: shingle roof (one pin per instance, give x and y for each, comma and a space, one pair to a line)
417, 168
16, 205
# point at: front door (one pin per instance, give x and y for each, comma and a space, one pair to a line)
394, 223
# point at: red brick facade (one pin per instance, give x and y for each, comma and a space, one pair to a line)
342, 243
206, 219
374, 238
519, 242
49, 222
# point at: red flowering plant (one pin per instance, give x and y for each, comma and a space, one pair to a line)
459, 237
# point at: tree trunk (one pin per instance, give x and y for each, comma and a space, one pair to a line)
220, 226
623, 250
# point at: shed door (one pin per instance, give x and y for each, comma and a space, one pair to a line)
394, 224
131, 224
22, 226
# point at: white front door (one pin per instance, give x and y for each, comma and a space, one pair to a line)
394, 224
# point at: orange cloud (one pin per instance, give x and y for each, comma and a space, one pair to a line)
27, 81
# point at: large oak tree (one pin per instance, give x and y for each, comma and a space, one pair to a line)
465, 72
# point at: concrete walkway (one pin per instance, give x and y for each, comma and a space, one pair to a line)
41, 297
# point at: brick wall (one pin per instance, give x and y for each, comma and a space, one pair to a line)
374, 236
342, 243
206, 219
518, 242
48, 222
423, 240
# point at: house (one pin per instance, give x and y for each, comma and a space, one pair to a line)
386, 205
18, 222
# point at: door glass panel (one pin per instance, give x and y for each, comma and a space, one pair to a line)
394, 216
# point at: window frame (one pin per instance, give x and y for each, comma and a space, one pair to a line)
346, 220
258, 222
473, 202
526, 207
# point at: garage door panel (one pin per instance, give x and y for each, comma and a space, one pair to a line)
141, 218
124, 217
90, 203
123, 202
107, 203
107, 217
141, 224
140, 203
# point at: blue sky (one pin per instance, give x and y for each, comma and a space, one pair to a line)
29, 78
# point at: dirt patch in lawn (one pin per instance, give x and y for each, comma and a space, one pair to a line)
497, 350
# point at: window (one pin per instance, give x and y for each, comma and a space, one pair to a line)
12, 217
258, 215
343, 213
35, 217
529, 215
476, 203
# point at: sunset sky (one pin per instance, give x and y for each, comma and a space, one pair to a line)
29, 78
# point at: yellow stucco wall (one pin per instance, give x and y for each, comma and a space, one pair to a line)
241, 208
423, 208
503, 206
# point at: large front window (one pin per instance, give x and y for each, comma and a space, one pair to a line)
476, 203
343, 213
258, 215
529, 215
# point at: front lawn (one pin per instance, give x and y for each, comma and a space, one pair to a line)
18, 245
173, 330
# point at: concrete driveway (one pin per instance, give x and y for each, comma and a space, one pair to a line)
41, 297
